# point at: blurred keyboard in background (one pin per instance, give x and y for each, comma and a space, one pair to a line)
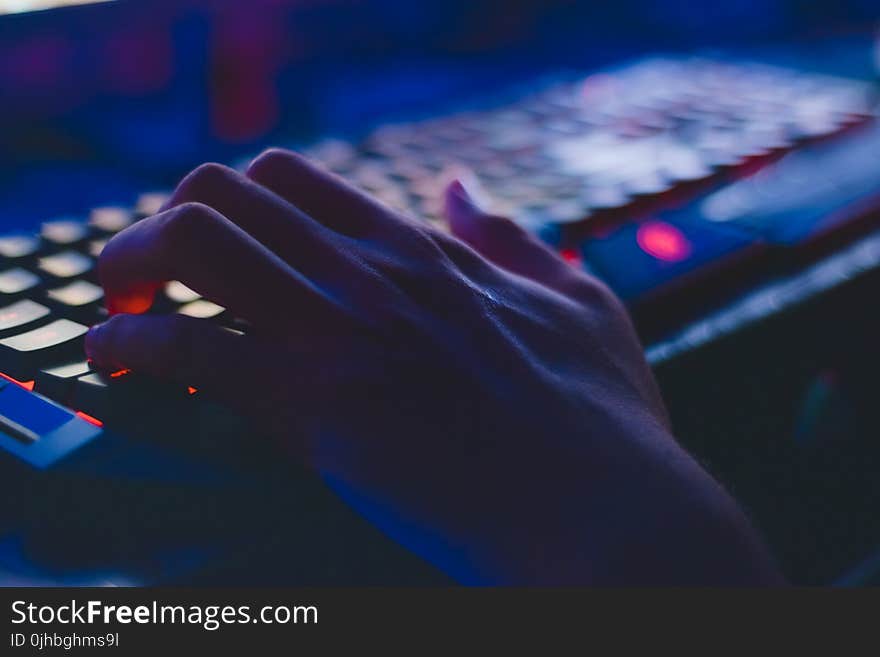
607, 168
680, 182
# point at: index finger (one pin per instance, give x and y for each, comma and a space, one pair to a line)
196, 245
321, 194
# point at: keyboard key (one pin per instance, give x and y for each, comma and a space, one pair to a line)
77, 294
78, 301
14, 247
115, 396
20, 314
17, 281
96, 247
202, 309
99, 395
39, 431
66, 264
9, 428
58, 382
21, 356
180, 293
64, 232
150, 203
110, 219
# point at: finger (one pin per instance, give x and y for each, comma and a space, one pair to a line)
321, 194
196, 245
230, 367
280, 226
173, 347
502, 241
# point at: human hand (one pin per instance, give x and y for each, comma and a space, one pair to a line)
484, 403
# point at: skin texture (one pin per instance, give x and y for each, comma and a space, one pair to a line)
484, 403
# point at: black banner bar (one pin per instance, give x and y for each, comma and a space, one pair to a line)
280, 621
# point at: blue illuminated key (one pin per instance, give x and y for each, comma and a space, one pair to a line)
38, 431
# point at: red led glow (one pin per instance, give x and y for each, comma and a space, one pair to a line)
88, 418
571, 257
191, 390
27, 385
118, 373
663, 241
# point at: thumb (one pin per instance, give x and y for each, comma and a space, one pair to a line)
500, 239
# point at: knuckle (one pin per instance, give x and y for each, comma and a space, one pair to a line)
268, 161
187, 223
597, 294
204, 178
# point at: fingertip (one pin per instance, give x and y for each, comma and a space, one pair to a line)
93, 338
97, 344
266, 165
136, 300
460, 203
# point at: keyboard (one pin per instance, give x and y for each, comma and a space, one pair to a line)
684, 183
630, 173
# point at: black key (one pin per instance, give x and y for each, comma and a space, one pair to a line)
58, 382
663, 269
14, 247
64, 232
100, 395
110, 219
21, 356
76, 294
78, 301
18, 281
116, 396
38, 431
66, 264
20, 314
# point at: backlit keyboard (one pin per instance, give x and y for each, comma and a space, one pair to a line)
581, 154
678, 181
